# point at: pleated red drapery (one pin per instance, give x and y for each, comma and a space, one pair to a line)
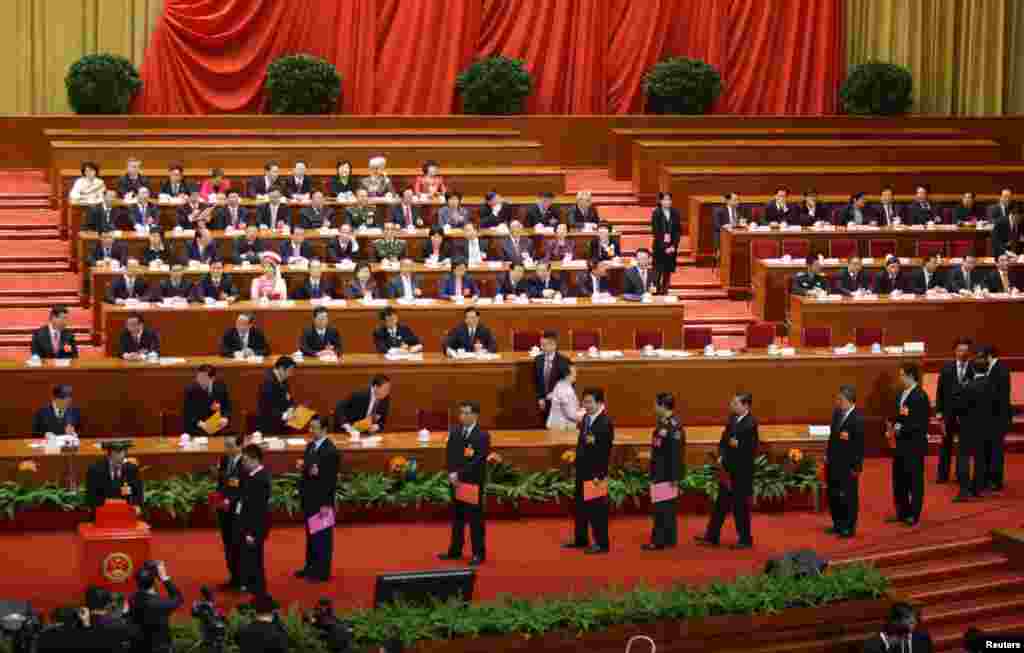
401, 57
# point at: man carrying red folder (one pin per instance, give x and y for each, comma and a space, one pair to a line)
667, 444
466, 453
317, 489
593, 451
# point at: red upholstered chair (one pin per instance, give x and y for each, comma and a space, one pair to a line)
757, 214
867, 336
696, 337
525, 340
930, 247
836, 211
584, 339
947, 215
653, 338
798, 249
764, 248
961, 248
760, 335
432, 420
817, 337
172, 424
881, 248
843, 248
486, 287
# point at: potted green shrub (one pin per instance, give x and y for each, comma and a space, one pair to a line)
494, 86
877, 88
682, 85
101, 84
302, 84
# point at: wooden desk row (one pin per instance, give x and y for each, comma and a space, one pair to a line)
197, 330
773, 279
700, 211
133, 398
414, 242
936, 322
620, 146
529, 450
738, 245
488, 276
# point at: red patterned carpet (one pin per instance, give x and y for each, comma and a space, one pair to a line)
524, 556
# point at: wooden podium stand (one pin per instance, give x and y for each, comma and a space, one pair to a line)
114, 547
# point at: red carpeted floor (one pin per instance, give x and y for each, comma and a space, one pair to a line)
524, 556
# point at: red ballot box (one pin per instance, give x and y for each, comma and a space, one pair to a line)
113, 547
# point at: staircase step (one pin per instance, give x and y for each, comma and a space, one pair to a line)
30, 233
68, 299
917, 573
951, 638
700, 293
968, 612
977, 586
887, 559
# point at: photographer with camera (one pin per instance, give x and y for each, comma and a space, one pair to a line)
900, 634
265, 633
150, 611
335, 634
212, 626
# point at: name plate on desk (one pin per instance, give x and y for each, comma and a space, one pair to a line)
819, 431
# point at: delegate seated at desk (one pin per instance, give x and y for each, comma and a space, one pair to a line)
244, 339
321, 337
391, 334
471, 335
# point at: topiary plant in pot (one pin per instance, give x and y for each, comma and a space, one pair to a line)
101, 84
302, 84
682, 85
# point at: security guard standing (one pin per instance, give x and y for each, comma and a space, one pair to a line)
811, 280
667, 444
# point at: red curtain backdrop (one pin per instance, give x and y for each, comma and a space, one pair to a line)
401, 57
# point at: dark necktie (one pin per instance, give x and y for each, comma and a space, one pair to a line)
547, 371
586, 425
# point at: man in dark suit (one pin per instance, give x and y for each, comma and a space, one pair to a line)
393, 335
639, 279
54, 339
886, 211
458, 283
854, 212
252, 521
909, 434
263, 184
1002, 417
315, 286
132, 181
810, 280
667, 445
1001, 210
921, 211
152, 613
666, 230
59, 416
889, 280
128, 286
205, 397
593, 453
1000, 280
927, 277
736, 450
145, 213
977, 412
543, 285
845, 458
249, 248
544, 212
244, 339
778, 210
193, 213
174, 287
298, 183
852, 279
138, 340
296, 246
232, 214
514, 282
516, 247
727, 215
594, 280
105, 216
370, 406
495, 211
604, 247
343, 248
275, 399
966, 277
316, 215
953, 377
108, 250
810, 212
229, 485
406, 214
405, 284
203, 248
114, 477
1006, 234
216, 285
317, 487
549, 367
466, 455
470, 335
900, 634
275, 212
321, 337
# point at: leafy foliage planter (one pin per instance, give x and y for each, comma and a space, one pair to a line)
682, 86
302, 84
877, 88
494, 86
102, 84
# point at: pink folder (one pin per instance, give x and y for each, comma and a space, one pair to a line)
321, 521
467, 493
664, 491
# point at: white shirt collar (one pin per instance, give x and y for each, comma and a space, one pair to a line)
256, 471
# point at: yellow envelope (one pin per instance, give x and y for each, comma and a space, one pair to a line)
300, 417
212, 424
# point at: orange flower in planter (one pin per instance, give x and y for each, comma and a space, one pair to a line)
569, 457
28, 466
494, 458
397, 464
795, 455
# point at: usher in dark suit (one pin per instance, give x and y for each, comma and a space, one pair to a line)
317, 491
466, 457
952, 380
738, 464
229, 484
845, 455
252, 519
911, 448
